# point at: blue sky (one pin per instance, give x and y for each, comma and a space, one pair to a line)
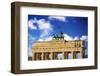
42, 27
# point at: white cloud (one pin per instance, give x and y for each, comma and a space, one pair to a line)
31, 24
84, 37
40, 39
67, 37
60, 18
45, 27
46, 39
44, 33
76, 38
43, 24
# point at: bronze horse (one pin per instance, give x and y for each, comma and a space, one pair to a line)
58, 37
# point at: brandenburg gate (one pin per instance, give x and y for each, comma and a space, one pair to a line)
57, 49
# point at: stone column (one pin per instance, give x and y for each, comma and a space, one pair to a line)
54, 55
39, 56
63, 55
33, 57
45, 56
42, 55
81, 54
51, 56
